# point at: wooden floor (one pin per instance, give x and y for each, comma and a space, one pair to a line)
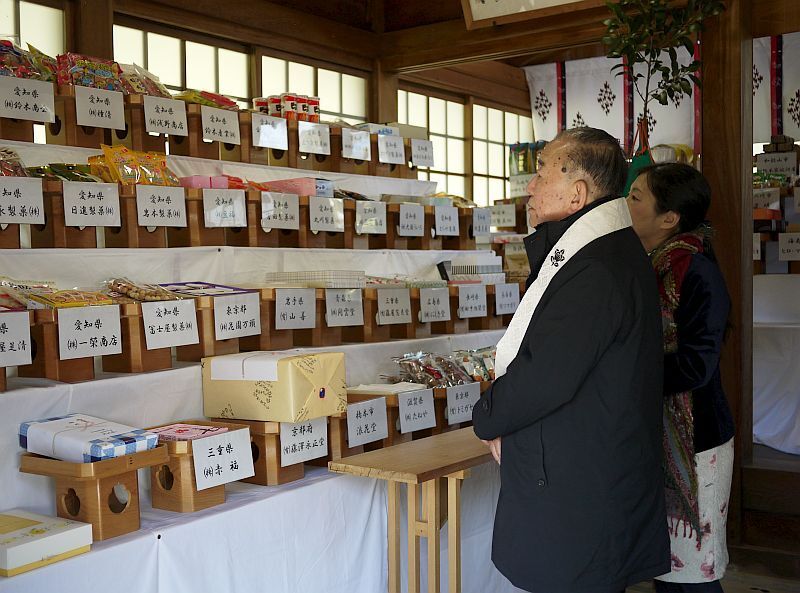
741, 582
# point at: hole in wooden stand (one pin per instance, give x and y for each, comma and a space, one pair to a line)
72, 503
255, 451
55, 127
41, 227
151, 229
166, 478
122, 134
119, 498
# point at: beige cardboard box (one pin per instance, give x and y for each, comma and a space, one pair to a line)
274, 386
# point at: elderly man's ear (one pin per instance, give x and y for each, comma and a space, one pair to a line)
581, 196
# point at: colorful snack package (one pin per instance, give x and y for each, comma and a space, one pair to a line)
70, 172
46, 65
141, 292
10, 164
122, 164
99, 168
16, 62
81, 70
170, 178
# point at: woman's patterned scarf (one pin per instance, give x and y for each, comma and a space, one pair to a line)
671, 260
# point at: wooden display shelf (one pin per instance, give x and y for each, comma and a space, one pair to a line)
135, 135
208, 344
19, 130
255, 235
370, 332
103, 493
129, 233
348, 165
55, 232
65, 129
195, 233
9, 236
265, 443
173, 484
455, 325
322, 239
321, 335
193, 144
270, 338
415, 330
135, 357
3, 378
46, 363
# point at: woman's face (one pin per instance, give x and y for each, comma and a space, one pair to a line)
651, 227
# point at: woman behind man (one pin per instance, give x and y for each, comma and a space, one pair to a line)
668, 204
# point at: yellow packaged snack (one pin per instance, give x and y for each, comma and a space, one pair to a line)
122, 164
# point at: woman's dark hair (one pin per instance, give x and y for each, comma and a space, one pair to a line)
679, 188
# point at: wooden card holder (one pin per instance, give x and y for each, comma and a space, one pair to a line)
455, 325
346, 165
370, 332
20, 130
173, 485
46, 363
129, 234
193, 144
9, 236
254, 234
135, 135
337, 442
309, 239
431, 241
208, 344
321, 335
265, 444
104, 493
55, 232
466, 237
270, 156
491, 321
521, 216
3, 378
270, 338
195, 233
440, 405
392, 237
386, 169
314, 162
507, 318
394, 436
239, 153
415, 330
135, 357
65, 129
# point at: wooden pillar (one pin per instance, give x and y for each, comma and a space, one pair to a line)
727, 54
383, 94
90, 27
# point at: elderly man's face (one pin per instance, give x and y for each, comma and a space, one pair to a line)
552, 188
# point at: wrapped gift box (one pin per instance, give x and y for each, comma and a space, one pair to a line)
83, 439
274, 386
186, 432
29, 541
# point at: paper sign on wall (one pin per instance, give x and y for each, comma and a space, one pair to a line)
789, 247
295, 308
519, 185
91, 204
416, 410
783, 163
89, 331
313, 138
21, 200
370, 218
394, 306
220, 125
481, 222
326, 214
446, 221
767, 197
434, 305
165, 116
280, 211
15, 338
169, 323
270, 132
506, 298
472, 301
25, 98
99, 108
303, 441
356, 145
237, 315
460, 401
343, 307
391, 150
224, 208
367, 422
222, 458
160, 206
412, 220
422, 153
504, 215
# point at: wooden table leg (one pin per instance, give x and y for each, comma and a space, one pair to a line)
413, 538
454, 534
393, 529
432, 521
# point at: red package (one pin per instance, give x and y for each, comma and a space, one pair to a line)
80, 70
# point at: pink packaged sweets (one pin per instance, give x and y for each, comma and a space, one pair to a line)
186, 432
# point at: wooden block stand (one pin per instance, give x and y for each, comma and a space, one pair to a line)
455, 325
466, 237
3, 378
390, 170
370, 332
269, 338
20, 130
270, 156
392, 237
195, 233
193, 144
255, 235
491, 321
135, 357
46, 363
135, 135
103, 493
521, 216
321, 335
310, 162
394, 436
173, 485
265, 443
208, 345
318, 240
337, 442
9, 236
54, 232
130, 234
431, 241
66, 131
346, 165
415, 330
239, 153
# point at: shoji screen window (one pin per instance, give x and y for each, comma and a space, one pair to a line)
493, 131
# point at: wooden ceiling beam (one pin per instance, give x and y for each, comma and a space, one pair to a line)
775, 17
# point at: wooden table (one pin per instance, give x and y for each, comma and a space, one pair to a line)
421, 464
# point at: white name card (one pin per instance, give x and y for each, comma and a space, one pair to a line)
326, 214
768, 197
504, 215
519, 185
367, 422
220, 125
89, 331
446, 221
412, 220
356, 145
280, 211
160, 206
169, 323
165, 116
391, 150
222, 458
343, 307
517, 248
394, 306
756, 246
472, 301
99, 108
416, 410
22, 98
21, 200
15, 338
460, 401
481, 222
434, 305
371, 218
314, 138
237, 315
789, 247
295, 308
303, 441
422, 153
91, 204
506, 299
270, 132
224, 208
784, 163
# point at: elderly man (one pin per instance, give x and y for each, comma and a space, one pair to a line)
574, 416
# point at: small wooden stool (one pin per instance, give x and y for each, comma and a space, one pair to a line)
135, 357
55, 232
129, 233
193, 144
65, 129
135, 135
46, 363
195, 233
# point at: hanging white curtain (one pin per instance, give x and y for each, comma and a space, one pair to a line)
596, 96
543, 86
791, 85
762, 85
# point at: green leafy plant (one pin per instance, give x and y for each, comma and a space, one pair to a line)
640, 30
